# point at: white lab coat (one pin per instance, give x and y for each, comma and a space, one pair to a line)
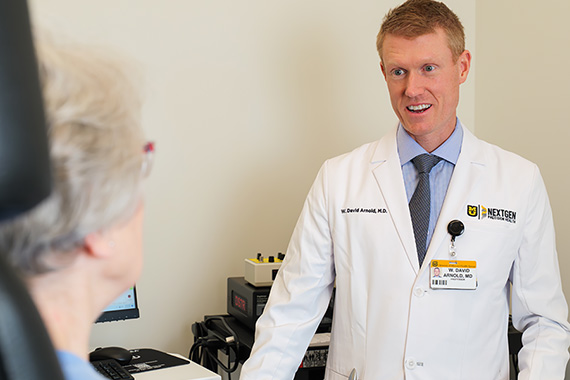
388, 323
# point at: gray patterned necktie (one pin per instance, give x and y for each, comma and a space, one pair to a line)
420, 202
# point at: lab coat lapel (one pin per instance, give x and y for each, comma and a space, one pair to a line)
388, 173
468, 171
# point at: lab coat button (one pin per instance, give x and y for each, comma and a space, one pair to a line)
418, 292
410, 363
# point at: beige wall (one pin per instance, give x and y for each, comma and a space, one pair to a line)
245, 99
523, 91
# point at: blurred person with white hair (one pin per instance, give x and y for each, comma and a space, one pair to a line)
82, 246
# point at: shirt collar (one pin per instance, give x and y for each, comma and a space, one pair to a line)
408, 148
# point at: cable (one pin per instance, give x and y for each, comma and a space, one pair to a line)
208, 341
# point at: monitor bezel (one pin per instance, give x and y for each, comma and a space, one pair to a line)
121, 315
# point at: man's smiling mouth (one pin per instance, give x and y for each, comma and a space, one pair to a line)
419, 108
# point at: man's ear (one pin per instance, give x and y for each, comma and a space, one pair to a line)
464, 62
99, 245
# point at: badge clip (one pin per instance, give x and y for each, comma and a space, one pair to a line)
455, 228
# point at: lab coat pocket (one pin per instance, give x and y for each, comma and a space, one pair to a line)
489, 238
493, 245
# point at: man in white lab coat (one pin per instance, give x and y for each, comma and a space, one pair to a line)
356, 230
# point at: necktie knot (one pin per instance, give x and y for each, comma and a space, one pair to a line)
425, 162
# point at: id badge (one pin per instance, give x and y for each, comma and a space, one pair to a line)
447, 274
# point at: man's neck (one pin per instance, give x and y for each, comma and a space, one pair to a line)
432, 141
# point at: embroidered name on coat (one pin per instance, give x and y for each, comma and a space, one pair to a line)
363, 210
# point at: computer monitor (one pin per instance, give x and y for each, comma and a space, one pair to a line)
124, 307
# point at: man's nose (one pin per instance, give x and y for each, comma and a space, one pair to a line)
414, 85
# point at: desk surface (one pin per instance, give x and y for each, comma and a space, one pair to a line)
190, 371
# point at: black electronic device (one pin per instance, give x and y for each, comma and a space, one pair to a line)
111, 369
124, 307
121, 364
214, 337
121, 355
246, 302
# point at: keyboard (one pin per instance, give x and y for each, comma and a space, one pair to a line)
111, 369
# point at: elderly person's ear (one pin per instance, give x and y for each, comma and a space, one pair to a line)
99, 245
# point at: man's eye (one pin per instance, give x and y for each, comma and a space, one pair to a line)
429, 68
398, 72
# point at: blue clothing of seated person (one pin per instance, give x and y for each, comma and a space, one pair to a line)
76, 368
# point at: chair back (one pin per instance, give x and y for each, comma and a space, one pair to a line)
26, 351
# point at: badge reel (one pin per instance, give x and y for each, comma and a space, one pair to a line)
455, 229
453, 274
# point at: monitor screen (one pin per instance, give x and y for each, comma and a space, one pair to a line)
124, 307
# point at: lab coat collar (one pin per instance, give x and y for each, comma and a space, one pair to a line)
388, 174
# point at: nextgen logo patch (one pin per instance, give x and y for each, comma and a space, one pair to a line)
482, 212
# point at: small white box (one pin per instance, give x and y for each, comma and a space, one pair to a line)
261, 272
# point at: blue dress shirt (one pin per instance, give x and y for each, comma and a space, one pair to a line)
439, 176
75, 368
